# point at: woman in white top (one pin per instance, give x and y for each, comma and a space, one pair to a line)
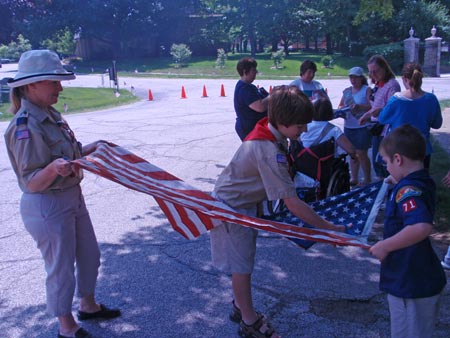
357, 98
306, 83
320, 130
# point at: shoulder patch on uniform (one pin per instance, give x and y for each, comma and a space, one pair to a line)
22, 134
407, 191
21, 120
281, 158
22, 131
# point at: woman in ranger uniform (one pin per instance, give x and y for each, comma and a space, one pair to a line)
40, 146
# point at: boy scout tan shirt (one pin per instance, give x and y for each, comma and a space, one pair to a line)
258, 171
32, 150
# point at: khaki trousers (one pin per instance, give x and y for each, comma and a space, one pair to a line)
60, 224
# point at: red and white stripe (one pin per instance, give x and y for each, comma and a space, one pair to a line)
190, 211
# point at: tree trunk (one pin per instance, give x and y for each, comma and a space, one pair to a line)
274, 45
307, 42
329, 45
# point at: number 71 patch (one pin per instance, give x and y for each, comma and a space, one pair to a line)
409, 205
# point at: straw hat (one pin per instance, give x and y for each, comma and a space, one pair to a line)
39, 65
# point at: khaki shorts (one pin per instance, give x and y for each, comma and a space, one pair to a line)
233, 248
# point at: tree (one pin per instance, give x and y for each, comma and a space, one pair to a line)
15, 48
180, 53
143, 27
422, 16
63, 42
369, 8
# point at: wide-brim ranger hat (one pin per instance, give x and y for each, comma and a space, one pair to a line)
39, 65
356, 71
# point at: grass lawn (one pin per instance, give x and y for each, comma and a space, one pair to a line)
440, 165
84, 99
204, 67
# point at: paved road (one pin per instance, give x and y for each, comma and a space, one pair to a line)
164, 284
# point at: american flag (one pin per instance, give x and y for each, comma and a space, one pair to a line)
358, 207
190, 211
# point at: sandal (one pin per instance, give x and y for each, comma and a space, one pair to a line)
235, 314
253, 331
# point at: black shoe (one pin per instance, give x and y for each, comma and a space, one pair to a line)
103, 313
81, 333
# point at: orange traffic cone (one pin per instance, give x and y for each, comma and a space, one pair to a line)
270, 89
222, 91
150, 95
183, 93
204, 92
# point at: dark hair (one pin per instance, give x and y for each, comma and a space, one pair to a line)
245, 64
363, 79
381, 62
323, 110
406, 141
307, 64
289, 106
413, 73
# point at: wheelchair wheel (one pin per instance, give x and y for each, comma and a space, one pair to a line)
339, 183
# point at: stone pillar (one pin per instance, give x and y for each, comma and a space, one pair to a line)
411, 48
432, 61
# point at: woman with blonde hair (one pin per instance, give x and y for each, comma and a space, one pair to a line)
381, 74
40, 146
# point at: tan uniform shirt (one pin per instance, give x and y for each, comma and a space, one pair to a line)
258, 171
34, 139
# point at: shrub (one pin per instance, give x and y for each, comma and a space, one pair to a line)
278, 58
15, 49
327, 61
221, 58
392, 52
180, 53
62, 42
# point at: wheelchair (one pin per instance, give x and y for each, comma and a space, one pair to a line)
330, 174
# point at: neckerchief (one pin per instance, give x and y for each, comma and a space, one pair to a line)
262, 132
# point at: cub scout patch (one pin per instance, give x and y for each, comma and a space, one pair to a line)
407, 191
281, 159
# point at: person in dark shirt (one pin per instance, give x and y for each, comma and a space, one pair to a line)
250, 103
411, 273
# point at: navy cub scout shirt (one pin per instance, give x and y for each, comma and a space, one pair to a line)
414, 271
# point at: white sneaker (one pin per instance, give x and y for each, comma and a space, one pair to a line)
445, 265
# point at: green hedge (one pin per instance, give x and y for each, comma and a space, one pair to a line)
392, 52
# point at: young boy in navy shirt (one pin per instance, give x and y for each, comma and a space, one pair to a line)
411, 272
260, 171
